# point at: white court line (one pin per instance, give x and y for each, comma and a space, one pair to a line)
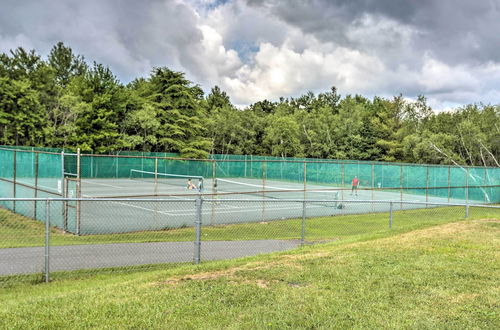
276, 208
239, 210
179, 197
102, 184
371, 203
192, 213
48, 188
245, 210
137, 207
386, 200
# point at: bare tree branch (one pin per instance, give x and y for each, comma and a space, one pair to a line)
489, 152
307, 136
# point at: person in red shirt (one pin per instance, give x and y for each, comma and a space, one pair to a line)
355, 184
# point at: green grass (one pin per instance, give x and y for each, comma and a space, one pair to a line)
19, 231
443, 277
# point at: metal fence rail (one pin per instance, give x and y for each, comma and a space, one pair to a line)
193, 230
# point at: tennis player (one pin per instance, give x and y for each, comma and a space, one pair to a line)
200, 185
190, 185
354, 184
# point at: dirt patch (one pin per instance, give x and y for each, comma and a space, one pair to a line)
226, 273
323, 241
235, 278
464, 297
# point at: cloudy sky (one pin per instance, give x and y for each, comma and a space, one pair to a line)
447, 50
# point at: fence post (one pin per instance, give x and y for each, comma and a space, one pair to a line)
342, 182
449, 183
303, 234
47, 241
78, 191
14, 176
156, 175
485, 183
467, 186
197, 225
214, 190
264, 174
373, 186
36, 185
390, 215
467, 210
426, 186
63, 193
251, 166
245, 171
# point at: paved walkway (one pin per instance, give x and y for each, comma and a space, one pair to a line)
72, 257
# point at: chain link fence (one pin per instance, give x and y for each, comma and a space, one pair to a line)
144, 233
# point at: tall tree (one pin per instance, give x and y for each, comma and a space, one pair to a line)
182, 119
66, 64
26, 90
282, 137
98, 125
21, 115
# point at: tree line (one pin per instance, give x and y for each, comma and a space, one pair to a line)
62, 101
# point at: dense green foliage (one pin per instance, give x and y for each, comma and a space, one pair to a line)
62, 101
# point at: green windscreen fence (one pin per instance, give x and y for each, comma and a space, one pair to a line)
25, 173
45, 172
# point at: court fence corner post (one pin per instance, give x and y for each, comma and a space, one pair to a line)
390, 215
197, 225
466, 210
47, 241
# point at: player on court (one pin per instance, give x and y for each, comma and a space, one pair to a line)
190, 185
354, 184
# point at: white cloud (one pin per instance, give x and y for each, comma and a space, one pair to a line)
374, 32
280, 71
241, 25
262, 52
217, 61
438, 77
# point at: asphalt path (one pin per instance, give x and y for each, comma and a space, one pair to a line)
73, 257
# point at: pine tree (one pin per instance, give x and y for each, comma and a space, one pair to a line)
182, 119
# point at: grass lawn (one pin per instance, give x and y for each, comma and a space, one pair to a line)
19, 231
445, 276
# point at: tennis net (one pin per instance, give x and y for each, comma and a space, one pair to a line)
323, 197
187, 181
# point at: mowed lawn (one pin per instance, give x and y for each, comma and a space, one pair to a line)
445, 276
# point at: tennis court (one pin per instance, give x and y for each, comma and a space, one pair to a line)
250, 202
253, 183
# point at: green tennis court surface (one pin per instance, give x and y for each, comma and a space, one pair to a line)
267, 204
256, 184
